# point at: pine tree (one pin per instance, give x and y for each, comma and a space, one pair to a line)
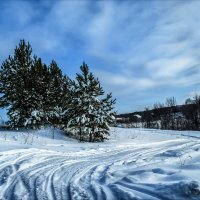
89, 115
37, 95
40, 79
57, 95
15, 83
104, 116
33, 93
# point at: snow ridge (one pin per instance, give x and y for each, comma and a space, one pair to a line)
162, 169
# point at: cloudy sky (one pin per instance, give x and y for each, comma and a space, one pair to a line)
142, 51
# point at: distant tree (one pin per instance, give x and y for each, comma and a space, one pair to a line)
188, 112
147, 117
196, 111
192, 113
172, 110
189, 101
158, 114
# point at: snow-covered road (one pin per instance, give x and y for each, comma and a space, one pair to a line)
134, 164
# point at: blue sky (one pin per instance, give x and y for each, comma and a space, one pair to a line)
142, 51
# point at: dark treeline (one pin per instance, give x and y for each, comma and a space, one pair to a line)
38, 95
167, 115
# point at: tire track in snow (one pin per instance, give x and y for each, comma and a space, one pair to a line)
43, 174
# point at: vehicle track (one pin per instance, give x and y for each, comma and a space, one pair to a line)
42, 174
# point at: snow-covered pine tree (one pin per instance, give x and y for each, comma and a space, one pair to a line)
104, 116
57, 95
89, 114
38, 95
67, 104
15, 84
32, 92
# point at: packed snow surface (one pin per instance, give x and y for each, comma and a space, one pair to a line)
133, 164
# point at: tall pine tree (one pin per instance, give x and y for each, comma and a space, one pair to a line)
89, 114
31, 91
38, 95
15, 84
58, 94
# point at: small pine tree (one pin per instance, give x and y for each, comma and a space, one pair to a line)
88, 114
103, 117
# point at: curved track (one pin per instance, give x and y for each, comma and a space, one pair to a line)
120, 173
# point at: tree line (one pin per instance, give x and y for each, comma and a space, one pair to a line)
38, 95
168, 115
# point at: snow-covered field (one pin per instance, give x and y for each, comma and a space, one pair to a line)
133, 164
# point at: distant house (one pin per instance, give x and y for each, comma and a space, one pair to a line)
122, 119
138, 116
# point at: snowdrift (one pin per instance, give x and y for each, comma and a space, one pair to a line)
133, 164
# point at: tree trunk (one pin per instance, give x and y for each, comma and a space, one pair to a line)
80, 134
91, 133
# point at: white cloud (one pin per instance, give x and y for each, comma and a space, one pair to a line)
171, 67
142, 45
122, 84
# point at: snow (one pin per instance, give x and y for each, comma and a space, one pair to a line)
133, 164
138, 116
